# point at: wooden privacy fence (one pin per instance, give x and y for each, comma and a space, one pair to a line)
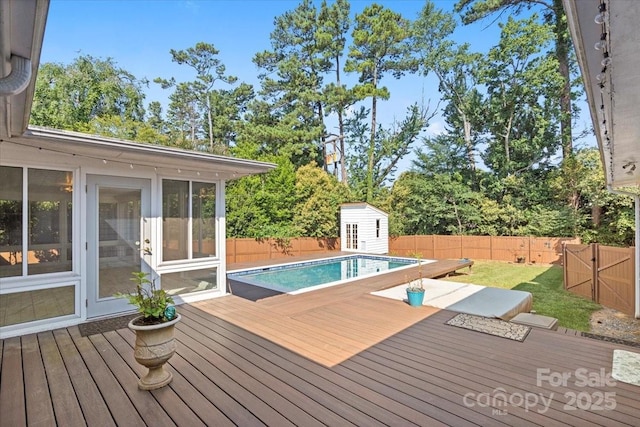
604, 274
245, 250
540, 250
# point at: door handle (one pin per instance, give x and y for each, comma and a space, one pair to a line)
147, 248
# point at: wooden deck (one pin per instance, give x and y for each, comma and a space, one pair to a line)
337, 358
312, 317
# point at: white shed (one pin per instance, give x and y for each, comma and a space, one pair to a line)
364, 228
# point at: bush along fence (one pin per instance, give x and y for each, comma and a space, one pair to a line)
604, 274
539, 250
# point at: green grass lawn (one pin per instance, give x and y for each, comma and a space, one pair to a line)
545, 284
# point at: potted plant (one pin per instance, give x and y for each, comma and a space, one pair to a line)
154, 330
415, 293
415, 290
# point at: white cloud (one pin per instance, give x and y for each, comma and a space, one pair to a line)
436, 128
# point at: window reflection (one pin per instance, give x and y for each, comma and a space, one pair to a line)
188, 211
175, 217
203, 200
48, 202
50, 219
186, 282
10, 221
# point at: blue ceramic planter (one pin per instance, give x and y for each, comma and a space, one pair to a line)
415, 297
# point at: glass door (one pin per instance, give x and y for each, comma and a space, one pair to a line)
118, 241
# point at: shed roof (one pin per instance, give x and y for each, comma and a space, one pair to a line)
363, 205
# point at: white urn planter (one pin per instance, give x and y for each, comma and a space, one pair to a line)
155, 344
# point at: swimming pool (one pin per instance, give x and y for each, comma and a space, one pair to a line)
294, 278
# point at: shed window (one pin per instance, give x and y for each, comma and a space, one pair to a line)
47, 224
188, 220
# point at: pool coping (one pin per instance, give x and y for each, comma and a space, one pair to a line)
233, 274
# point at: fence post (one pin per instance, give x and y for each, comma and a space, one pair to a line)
491, 247
595, 264
564, 264
433, 245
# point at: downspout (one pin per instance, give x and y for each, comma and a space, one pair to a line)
19, 77
637, 245
637, 206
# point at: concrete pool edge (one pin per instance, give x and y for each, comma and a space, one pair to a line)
235, 276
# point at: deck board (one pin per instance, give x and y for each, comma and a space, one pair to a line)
357, 404
273, 392
255, 392
227, 410
406, 388
171, 401
121, 409
345, 358
63, 396
94, 409
206, 411
458, 380
428, 384
12, 404
38, 405
146, 405
297, 371
512, 370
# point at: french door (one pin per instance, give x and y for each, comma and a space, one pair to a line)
118, 239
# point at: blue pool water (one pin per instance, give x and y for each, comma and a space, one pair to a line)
294, 278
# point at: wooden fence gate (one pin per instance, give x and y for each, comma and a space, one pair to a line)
579, 271
603, 274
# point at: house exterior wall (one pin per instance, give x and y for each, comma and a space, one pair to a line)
370, 238
72, 285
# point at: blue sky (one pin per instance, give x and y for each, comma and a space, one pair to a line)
138, 35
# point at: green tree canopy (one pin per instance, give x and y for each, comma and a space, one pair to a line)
71, 96
381, 45
195, 106
522, 109
319, 196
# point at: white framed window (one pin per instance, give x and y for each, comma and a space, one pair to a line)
188, 220
36, 221
189, 281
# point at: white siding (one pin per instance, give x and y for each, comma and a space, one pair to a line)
365, 217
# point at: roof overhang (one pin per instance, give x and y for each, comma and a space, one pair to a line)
22, 24
99, 150
612, 86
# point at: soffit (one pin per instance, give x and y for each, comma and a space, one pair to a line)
614, 101
97, 149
